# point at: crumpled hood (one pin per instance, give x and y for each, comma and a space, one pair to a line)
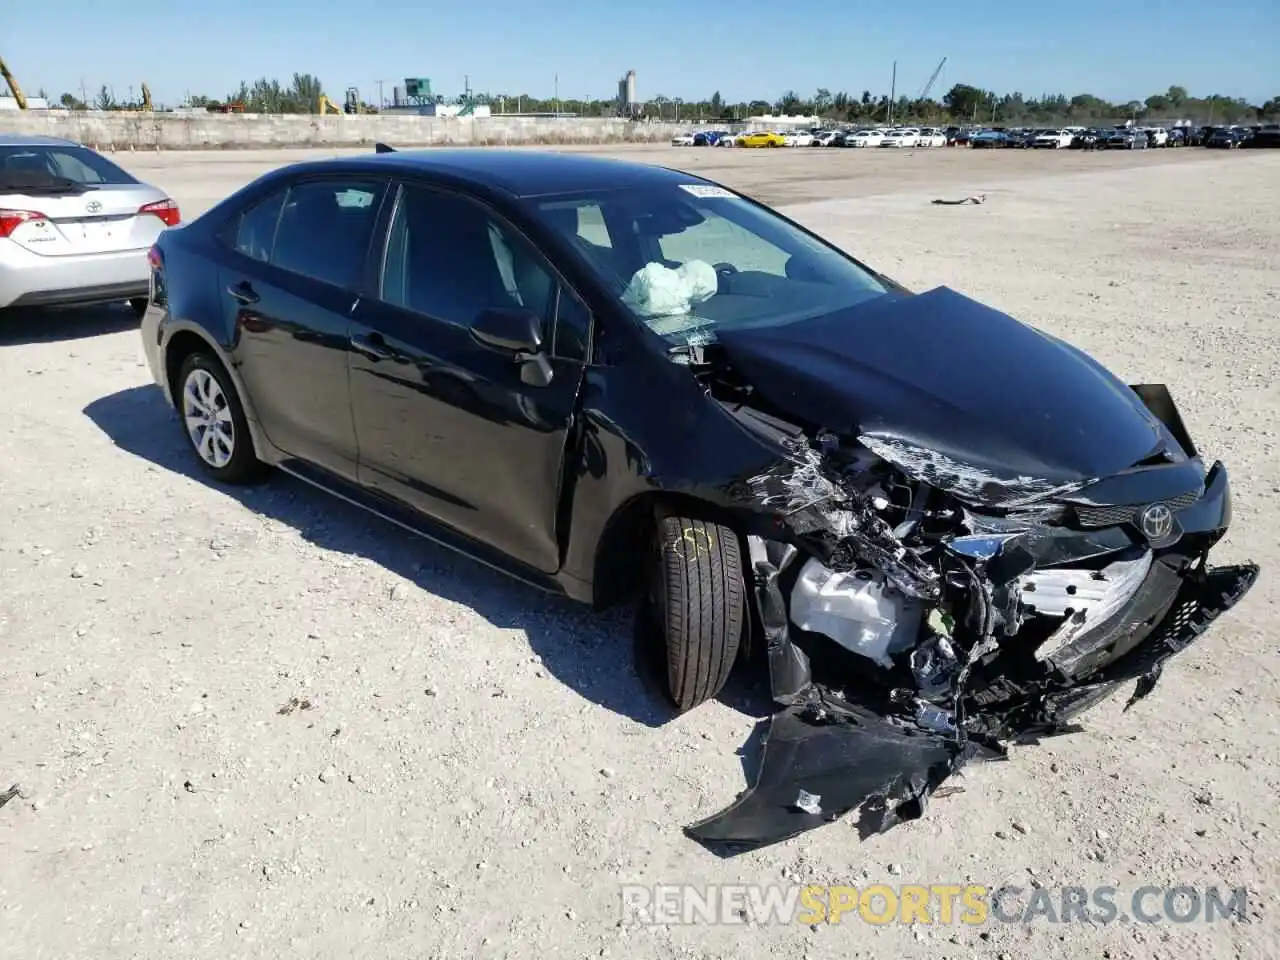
945, 373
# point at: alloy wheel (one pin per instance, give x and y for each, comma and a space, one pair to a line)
208, 418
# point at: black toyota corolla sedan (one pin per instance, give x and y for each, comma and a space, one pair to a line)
942, 529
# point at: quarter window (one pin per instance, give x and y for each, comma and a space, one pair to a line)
256, 230
325, 227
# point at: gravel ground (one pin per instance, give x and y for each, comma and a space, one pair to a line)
262, 723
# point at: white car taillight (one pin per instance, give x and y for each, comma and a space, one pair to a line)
11, 220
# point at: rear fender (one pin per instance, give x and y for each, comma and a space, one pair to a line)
178, 340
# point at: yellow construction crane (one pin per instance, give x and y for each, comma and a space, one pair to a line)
13, 85
146, 97
325, 105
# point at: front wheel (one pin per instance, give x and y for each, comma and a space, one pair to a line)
697, 592
214, 421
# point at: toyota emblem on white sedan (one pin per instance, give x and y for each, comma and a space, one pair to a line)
93, 206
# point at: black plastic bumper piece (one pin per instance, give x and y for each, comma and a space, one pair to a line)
822, 760
84, 296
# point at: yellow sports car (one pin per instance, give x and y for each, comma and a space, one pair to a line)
761, 138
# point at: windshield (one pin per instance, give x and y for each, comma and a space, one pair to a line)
74, 163
688, 259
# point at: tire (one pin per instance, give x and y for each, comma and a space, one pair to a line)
139, 306
698, 596
227, 454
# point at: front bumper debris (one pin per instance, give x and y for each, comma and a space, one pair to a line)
824, 756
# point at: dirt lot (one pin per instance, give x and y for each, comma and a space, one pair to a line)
262, 724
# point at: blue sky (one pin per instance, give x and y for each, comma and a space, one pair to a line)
746, 49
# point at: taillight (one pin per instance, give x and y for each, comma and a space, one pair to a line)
166, 210
11, 220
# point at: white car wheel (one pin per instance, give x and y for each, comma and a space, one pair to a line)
207, 415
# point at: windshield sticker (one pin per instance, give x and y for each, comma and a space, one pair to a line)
706, 190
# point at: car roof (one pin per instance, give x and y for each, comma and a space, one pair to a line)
33, 140
519, 172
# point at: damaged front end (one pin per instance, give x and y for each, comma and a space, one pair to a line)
919, 612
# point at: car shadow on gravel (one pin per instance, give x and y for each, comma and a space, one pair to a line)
592, 653
23, 325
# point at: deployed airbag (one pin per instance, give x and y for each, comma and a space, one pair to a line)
657, 290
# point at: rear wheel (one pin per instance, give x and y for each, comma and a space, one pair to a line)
697, 595
214, 421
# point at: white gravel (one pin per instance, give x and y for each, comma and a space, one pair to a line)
261, 724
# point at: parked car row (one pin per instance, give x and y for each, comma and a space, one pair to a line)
818, 137
1035, 138
1126, 137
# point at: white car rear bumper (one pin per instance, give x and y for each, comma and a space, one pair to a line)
27, 279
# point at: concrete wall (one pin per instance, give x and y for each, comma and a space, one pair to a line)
146, 131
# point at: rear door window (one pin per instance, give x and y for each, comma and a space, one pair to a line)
325, 227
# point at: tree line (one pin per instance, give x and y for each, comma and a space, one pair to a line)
962, 103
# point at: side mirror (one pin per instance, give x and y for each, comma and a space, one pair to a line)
514, 330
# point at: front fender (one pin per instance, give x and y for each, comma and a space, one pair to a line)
646, 437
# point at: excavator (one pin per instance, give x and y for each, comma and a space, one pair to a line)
16, 90
325, 105
147, 105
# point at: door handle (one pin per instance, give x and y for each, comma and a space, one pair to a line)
243, 292
372, 346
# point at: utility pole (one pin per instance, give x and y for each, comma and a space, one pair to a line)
893, 90
556, 89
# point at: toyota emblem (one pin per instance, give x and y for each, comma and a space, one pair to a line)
93, 206
1156, 522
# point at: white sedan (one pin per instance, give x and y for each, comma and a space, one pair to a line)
1052, 140
800, 138
901, 138
866, 138
682, 140
931, 137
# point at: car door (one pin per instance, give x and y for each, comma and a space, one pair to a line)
298, 259
465, 434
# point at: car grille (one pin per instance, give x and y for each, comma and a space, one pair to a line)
1110, 516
